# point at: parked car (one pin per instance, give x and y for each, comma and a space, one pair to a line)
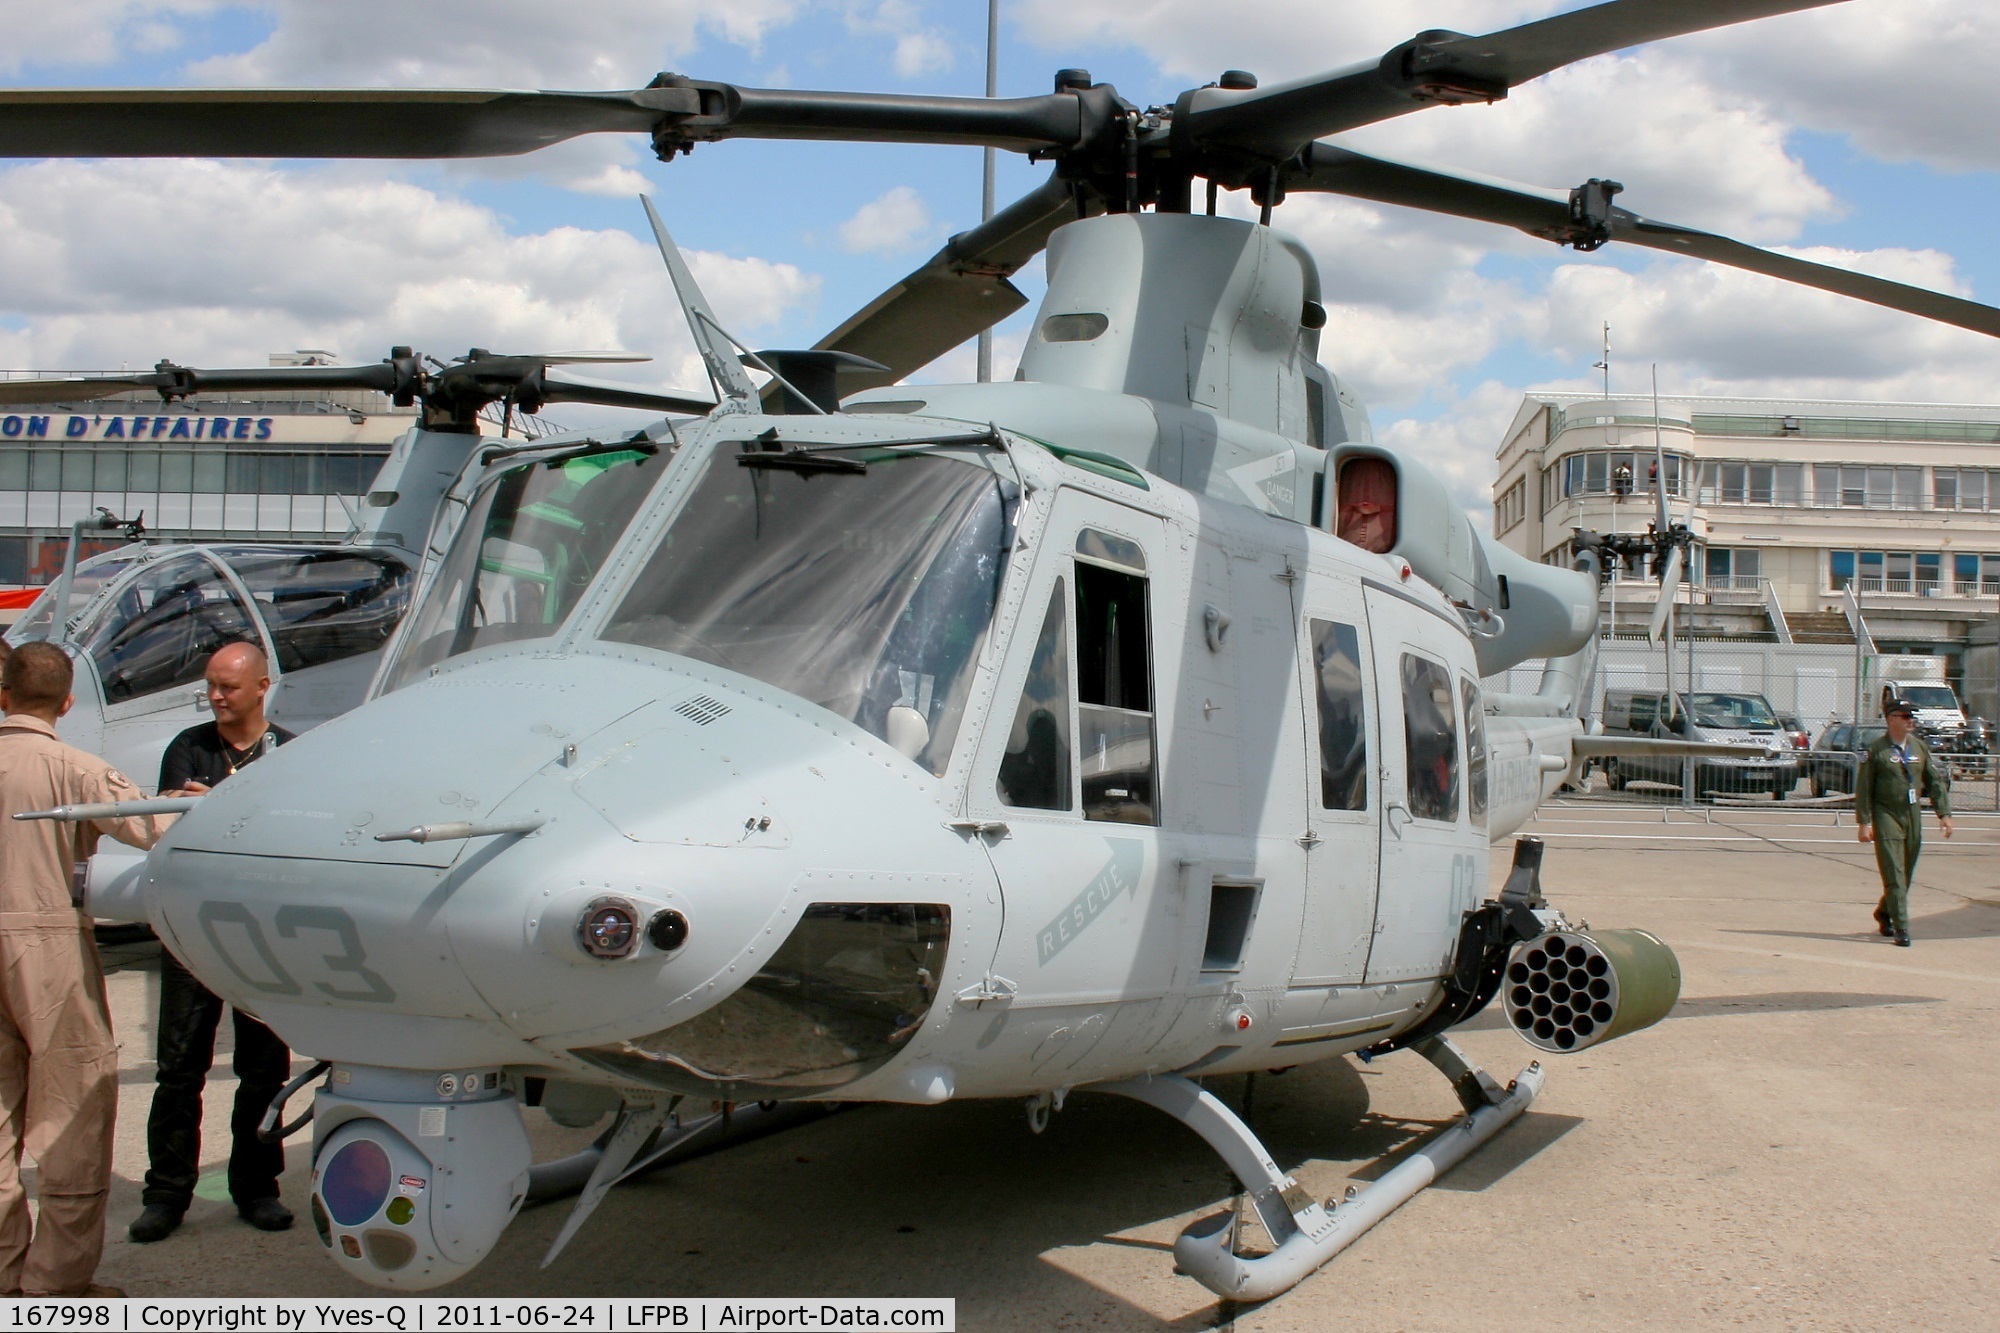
1974, 738
1702, 715
1835, 759
1795, 731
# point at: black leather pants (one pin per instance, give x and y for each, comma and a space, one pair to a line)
189, 1014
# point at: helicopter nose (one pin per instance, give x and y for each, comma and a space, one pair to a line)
633, 871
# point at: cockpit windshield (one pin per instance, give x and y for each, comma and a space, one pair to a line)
90, 578
531, 542
866, 591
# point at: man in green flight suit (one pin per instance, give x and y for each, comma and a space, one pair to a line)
1894, 777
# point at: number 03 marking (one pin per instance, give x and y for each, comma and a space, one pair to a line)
293, 919
270, 976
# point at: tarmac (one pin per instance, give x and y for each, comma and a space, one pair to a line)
1807, 1141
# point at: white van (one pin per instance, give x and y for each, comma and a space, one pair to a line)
1703, 715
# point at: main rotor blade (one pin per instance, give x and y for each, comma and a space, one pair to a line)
1547, 213
571, 389
1445, 67
959, 292
1670, 582
491, 122
73, 388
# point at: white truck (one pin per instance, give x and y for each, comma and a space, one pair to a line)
1920, 682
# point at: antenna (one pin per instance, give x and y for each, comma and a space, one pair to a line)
724, 370
1605, 364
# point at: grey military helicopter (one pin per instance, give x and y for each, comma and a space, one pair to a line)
1107, 729
142, 620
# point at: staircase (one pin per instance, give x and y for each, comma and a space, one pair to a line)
1819, 627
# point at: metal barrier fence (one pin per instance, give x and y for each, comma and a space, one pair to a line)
1811, 777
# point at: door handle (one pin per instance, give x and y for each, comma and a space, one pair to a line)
1390, 810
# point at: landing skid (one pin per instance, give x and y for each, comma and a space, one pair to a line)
1308, 1234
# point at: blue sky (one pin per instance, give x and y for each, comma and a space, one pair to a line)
1829, 131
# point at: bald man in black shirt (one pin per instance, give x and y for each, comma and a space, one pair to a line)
199, 758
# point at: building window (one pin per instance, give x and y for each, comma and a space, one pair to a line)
1918, 573
1511, 507
1595, 473
1729, 567
1966, 488
1728, 481
1867, 487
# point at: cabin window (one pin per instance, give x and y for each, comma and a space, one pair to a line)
1034, 772
1430, 738
1343, 720
323, 606
161, 628
1079, 328
1114, 694
1475, 753
1367, 515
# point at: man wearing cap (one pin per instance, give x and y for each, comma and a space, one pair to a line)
1894, 777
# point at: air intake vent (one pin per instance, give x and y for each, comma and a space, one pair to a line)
702, 709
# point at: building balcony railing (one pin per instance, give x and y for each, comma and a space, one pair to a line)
1894, 585
1709, 498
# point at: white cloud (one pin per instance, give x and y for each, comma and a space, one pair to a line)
896, 222
234, 261
920, 53
1458, 442
485, 43
918, 49
1685, 151
1720, 330
611, 180
1905, 78
93, 32
476, 43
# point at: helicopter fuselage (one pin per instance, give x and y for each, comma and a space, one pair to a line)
1211, 804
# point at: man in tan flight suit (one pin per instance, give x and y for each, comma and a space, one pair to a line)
58, 1065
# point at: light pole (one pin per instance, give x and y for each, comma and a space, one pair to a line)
1621, 486
986, 189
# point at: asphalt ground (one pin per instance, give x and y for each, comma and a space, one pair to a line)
1808, 1141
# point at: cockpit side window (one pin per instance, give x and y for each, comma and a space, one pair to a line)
1430, 735
1035, 771
531, 542
1343, 720
1475, 753
1115, 694
160, 629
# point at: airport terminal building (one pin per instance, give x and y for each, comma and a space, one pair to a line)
274, 467
1794, 504
1813, 521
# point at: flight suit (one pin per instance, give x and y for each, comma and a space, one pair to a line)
1888, 795
58, 1064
